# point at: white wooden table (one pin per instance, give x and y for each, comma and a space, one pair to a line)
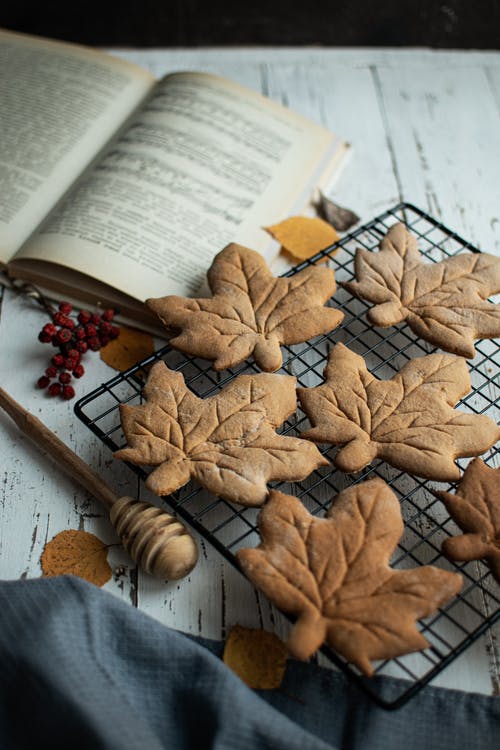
425, 128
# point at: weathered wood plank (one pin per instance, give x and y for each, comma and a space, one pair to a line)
444, 126
324, 92
161, 61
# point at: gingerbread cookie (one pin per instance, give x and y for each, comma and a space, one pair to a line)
408, 421
333, 573
251, 311
444, 303
226, 442
476, 509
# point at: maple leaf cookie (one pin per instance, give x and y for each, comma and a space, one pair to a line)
445, 303
408, 421
251, 311
476, 509
227, 442
333, 573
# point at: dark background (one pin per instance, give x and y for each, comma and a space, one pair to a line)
429, 23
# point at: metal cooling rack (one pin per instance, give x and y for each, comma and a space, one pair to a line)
229, 527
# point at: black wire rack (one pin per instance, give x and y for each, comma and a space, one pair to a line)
229, 527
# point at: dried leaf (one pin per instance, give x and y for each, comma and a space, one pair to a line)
444, 303
130, 347
476, 509
251, 312
226, 442
407, 421
77, 553
303, 236
339, 217
257, 657
333, 573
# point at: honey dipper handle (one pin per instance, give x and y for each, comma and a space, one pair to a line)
57, 450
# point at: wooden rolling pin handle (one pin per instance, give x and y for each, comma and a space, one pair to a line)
157, 541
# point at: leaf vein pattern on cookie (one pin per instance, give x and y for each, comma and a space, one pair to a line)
445, 303
333, 574
408, 421
227, 442
250, 312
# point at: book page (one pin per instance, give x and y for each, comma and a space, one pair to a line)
60, 104
204, 162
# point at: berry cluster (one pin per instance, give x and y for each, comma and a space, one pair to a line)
72, 339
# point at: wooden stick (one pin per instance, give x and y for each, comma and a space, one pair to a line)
58, 451
157, 541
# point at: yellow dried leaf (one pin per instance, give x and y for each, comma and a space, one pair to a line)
303, 236
78, 553
256, 656
130, 347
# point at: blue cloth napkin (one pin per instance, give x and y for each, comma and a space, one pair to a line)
81, 669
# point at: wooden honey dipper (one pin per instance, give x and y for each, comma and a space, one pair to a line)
155, 540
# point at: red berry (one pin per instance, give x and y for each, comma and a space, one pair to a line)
65, 307
51, 372
78, 371
65, 378
45, 338
43, 382
82, 346
105, 328
58, 360
68, 392
108, 315
90, 330
55, 389
79, 333
94, 343
95, 319
62, 320
69, 363
49, 329
104, 340
63, 336
74, 354
84, 316
115, 332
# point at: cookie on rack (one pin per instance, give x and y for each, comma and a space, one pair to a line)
408, 421
333, 573
227, 442
251, 311
444, 303
475, 508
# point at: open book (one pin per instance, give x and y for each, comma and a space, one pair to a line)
115, 186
